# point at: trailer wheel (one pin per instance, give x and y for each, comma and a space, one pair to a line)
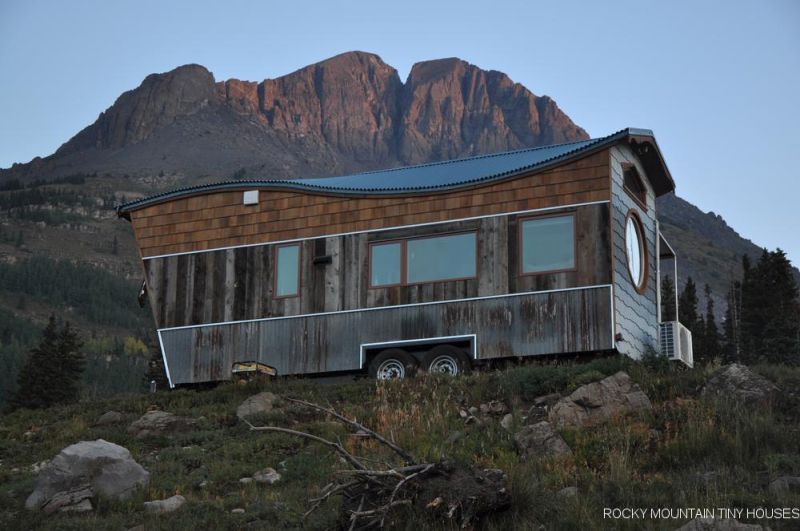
393, 364
446, 359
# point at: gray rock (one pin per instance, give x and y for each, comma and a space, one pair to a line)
541, 440
260, 403
507, 421
238, 510
246, 481
473, 411
268, 475
155, 423
713, 524
173, 503
76, 499
108, 418
599, 402
785, 485
568, 492
739, 382
99, 467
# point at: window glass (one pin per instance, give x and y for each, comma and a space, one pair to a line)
287, 270
385, 264
548, 244
441, 258
633, 247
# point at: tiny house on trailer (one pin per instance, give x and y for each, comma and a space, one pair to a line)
542, 251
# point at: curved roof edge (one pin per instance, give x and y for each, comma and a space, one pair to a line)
443, 176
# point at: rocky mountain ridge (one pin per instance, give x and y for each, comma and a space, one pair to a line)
348, 113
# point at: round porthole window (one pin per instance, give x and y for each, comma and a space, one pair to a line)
634, 246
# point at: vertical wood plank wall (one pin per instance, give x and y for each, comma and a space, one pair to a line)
237, 284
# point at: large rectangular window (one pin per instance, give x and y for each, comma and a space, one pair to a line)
547, 244
441, 258
420, 260
287, 271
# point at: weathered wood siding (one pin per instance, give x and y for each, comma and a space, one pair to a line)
636, 314
219, 219
237, 284
521, 325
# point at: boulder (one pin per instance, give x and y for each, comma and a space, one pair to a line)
155, 423
507, 421
109, 417
541, 440
713, 524
739, 382
84, 470
598, 402
268, 475
173, 503
260, 403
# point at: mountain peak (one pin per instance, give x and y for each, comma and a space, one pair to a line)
348, 112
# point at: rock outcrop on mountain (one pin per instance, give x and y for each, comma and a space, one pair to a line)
347, 113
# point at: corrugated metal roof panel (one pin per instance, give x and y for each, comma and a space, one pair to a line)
435, 176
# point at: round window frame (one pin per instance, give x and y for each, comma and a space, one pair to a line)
641, 284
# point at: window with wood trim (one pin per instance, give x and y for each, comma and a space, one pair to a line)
422, 260
287, 271
634, 185
547, 244
635, 251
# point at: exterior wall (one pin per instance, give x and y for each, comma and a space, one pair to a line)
636, 315
515, 325
219, 219
237, 284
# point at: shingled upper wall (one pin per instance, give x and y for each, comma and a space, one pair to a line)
219, 219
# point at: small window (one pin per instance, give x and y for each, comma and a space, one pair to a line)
287, 271
634, 184
385, 264
420, 260
634, 248
441, 258
548, 244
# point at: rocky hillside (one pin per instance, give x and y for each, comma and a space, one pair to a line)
347, 113
532, 447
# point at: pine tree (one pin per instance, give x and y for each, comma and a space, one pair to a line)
779, 338
687, 307
770, 317
667, 299
710, 345
52, 372
732, 326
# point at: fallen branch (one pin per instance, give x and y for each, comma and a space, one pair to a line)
402, 453
373, 497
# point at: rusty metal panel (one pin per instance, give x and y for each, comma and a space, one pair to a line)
529, 324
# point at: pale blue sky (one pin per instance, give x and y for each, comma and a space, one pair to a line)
718, 81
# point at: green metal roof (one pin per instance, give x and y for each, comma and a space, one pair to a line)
433, 177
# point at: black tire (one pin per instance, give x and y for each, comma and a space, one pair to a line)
446, 359
393, 364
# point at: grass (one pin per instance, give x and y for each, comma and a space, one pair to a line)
687, 452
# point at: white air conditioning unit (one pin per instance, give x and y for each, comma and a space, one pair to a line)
676, 342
